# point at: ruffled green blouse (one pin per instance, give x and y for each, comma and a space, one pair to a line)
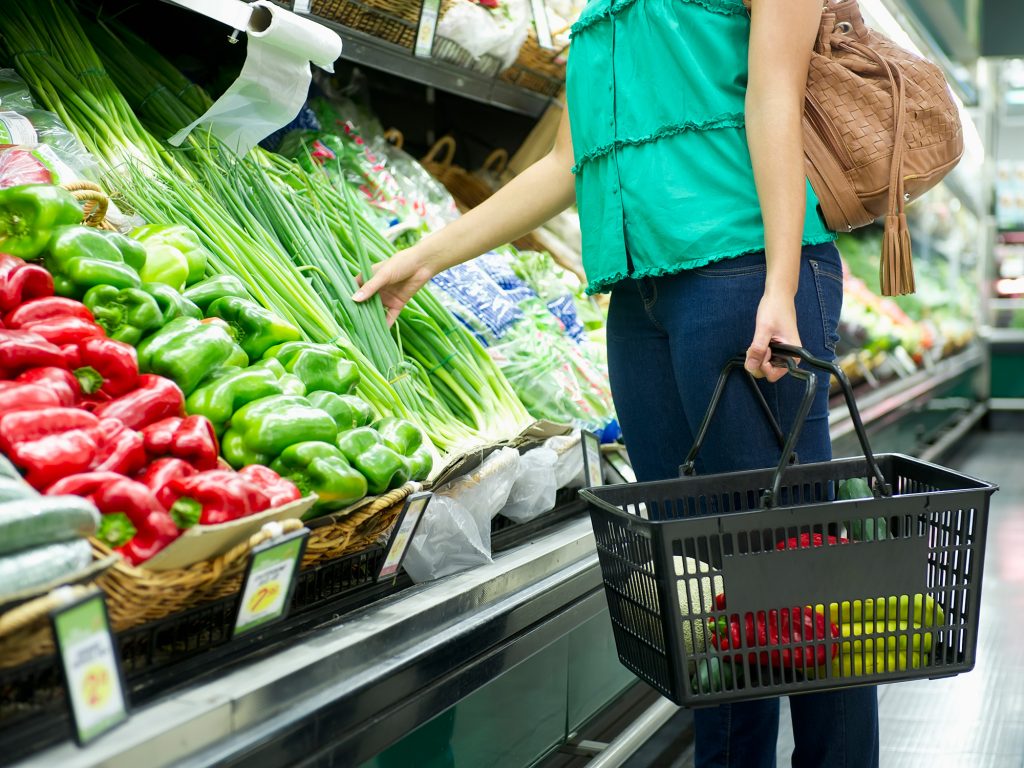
663, 176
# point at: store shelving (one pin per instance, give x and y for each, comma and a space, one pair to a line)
394, 59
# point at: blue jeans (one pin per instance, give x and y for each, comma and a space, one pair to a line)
668, 339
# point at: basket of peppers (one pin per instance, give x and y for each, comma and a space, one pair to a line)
201, 404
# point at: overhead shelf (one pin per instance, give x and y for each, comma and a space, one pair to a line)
396, 60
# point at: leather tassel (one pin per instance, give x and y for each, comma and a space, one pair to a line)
897, 266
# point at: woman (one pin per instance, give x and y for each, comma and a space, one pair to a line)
682, 146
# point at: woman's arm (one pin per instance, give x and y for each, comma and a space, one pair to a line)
531, 198
782, 34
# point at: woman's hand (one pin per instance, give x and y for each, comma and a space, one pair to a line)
396, 280
776, 321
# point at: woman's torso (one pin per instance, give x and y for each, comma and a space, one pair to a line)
664, 180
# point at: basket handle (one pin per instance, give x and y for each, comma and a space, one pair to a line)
784, 354
788, 443
445, 144
496, 162
394, 137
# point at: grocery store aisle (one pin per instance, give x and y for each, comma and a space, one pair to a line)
974, 720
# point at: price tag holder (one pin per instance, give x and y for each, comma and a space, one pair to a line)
618, 461
429, 13
269, 581
403, 532
91, 668
592, 474
540, 24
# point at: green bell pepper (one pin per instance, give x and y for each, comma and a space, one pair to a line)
172, 304
182, 240
407, 440
399, 434
220, 399
321, 468
132, 251
420, 463
186, 350
165, 264
262, 429
81, 257
322, 367
290, 384
348, 411
255, 328
383, 467
126, 314
205, 292
28, 215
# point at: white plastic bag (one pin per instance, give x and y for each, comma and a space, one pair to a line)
533, 493
455, 532
569, 467
499, 31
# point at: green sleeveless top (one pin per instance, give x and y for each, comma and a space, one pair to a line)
663, 175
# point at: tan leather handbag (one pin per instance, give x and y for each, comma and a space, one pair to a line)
880, 129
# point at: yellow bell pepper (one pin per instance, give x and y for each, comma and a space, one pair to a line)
925, 613
881, 654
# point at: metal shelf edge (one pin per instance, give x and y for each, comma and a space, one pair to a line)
396, 60
891, 396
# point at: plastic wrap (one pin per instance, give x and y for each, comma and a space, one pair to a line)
500, 29
14, 92
533, 492
569, 462
455, 532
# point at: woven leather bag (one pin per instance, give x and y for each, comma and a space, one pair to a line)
880, 129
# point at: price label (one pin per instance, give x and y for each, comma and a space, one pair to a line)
402, 533
540, 24
269, 581
91, 668
427, 27
622, 466
592, 474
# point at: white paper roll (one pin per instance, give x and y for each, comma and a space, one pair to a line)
274, 80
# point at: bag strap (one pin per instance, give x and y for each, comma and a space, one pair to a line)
897, 269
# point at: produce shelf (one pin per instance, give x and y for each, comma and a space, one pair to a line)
886, 402
396, 60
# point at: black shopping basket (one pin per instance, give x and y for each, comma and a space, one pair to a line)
761, 583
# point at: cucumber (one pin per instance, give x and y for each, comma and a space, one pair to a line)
15, 490
41, 565
44, 520
7, 469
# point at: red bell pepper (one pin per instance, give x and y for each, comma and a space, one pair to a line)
774, 628
49, 443
60, 381
65, 330
49, 308
118, 448
23, 349
191, 438
154, 398
111, 365
159, 476
22, 396
217, 496
805, 541
21, 282
112, 494
18, 427
278, 489
48, 459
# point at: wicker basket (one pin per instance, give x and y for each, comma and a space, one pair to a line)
25, 630
537, 69
333, 536
136, 595
392, 20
